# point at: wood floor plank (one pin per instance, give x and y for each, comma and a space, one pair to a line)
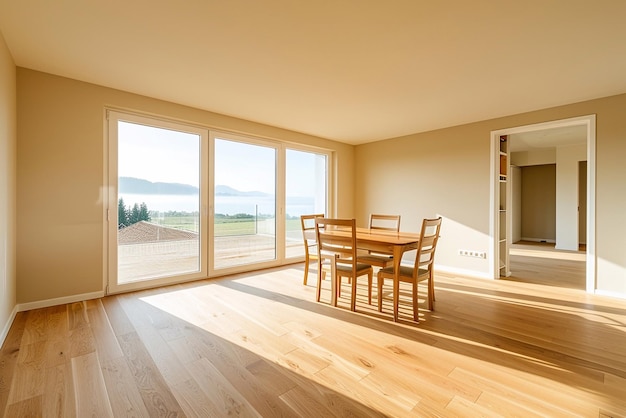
9, 353
226, 400
302, 362
77, 315
541, 389
28, 379
365, 395
154, 391
105, 340
31, 407
35, 327
252, 308
402, 394
304, 404
117, 317
225, 358
279, 379
59, 399
492, 386
194, 401
149, 321
461, 407
257, 344
123, 392
321, 397
82, 341
92, 399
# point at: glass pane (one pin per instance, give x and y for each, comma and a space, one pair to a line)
158, 202
245, 204
306, 194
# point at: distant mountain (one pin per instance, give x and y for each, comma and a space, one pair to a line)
132, 185
221, 190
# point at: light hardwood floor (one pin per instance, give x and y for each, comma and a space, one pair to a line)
541, 263
258, 345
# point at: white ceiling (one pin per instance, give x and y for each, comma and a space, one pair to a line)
350, 70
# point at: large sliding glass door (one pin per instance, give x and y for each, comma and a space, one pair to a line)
156, 231
306, 180
186, 203
244, 203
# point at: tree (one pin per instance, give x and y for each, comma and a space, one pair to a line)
134, 214
144, 213
127, 216
122, 214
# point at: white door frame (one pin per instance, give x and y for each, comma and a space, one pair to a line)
589, 122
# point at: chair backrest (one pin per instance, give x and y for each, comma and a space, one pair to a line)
308, 229
385, 222
336, 238
429, 236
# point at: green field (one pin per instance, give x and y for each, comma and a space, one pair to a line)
223, 226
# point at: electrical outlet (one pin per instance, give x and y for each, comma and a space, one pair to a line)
475, 254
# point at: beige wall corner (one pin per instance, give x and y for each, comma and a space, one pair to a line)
446, 172
61, 162
8, 158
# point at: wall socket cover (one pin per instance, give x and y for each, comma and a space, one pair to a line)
476, 254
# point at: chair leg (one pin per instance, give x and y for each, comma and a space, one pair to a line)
338, 286
432, 287
379, 284
415, 308
319, 280
431, 294
353, 295
396, 299
370, 278
306, 270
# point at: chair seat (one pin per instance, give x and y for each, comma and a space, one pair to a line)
405, 271
348, 267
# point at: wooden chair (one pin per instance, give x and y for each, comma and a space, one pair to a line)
420, 271
381, 223
310, 242
340, 249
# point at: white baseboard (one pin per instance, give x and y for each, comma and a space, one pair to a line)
462, 272
59, 301
7, 326
551, 241
616, 295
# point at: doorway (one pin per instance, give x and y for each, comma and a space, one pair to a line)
570, 235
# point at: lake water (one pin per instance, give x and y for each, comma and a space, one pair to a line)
226, 205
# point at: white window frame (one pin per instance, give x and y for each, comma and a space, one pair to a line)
111, 221
207, 189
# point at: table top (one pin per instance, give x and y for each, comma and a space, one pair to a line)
390, 237
381, 236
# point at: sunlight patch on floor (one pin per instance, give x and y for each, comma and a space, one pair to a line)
553, 254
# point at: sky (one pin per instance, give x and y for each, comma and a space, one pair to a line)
158, 155
174, 157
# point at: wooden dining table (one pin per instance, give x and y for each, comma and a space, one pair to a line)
387, 242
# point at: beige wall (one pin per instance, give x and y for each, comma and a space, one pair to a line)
60, 177
539, 202
567, 159
447, 172
8, 138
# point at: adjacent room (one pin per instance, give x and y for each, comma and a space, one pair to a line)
160, 163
